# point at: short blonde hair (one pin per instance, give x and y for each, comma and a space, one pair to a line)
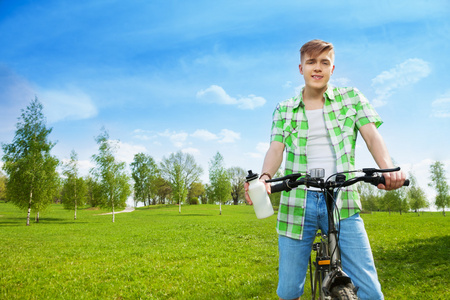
316, 47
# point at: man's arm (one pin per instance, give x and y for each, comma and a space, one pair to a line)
378, 149
272, 162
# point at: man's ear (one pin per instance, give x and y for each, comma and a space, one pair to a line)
301, 68
332, 70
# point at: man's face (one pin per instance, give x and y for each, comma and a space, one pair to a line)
317, 70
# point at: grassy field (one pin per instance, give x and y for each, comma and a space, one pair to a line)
158, 253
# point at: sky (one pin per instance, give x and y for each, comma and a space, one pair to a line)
205, 76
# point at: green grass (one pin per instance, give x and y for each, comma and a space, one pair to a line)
158, 253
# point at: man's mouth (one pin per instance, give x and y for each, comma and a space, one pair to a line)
317, 77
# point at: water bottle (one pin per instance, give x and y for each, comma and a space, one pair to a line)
258, 195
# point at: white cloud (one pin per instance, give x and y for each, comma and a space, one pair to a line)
84, 166
342, 81
251, 102
144, 135
388, 82
261, 149
287, 85
126, 152
441, 106
16, 93
178, 139
204, 134
71, 104
181, 139
216, 94
190, 150
229, 136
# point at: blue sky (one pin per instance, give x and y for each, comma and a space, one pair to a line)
205, 76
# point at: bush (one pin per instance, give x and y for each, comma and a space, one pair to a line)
193, 200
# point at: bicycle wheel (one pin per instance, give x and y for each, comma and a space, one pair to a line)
343, 292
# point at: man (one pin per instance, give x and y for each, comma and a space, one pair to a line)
318, 129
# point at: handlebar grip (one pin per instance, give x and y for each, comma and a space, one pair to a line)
382, 181
279, 187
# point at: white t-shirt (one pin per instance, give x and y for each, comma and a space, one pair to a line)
319, 150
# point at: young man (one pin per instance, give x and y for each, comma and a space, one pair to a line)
318, 129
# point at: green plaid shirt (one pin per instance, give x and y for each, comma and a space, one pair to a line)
345, 111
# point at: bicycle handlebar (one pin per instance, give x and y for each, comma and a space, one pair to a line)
292, 181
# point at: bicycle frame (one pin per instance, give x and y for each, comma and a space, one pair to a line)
328, 268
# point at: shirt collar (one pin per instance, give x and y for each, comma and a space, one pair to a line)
329, 93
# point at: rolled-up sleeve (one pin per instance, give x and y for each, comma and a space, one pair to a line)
277, 133
365, 113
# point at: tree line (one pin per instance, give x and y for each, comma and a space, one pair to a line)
32, 181
412, 198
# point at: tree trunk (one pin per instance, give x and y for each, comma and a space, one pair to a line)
220, 205
113, 216
29, 209
179, 207
37, 218
75, 216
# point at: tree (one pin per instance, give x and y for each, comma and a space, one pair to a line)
395, 200
439, 183
197, 190
209, 195
74, 188
144, 172
219, 179
94, 193
417, 197
163, 190
370, 197
237, 178
275, 198
3, 180
33, 180
181, 171
110, 174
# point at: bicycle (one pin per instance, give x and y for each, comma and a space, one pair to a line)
329, 279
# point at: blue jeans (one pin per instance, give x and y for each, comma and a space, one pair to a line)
356, 255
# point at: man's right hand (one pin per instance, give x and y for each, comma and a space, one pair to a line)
247, 196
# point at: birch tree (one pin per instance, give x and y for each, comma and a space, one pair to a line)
111, 175
219, 179
31, 169
74, 187
417, 197
439, 183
